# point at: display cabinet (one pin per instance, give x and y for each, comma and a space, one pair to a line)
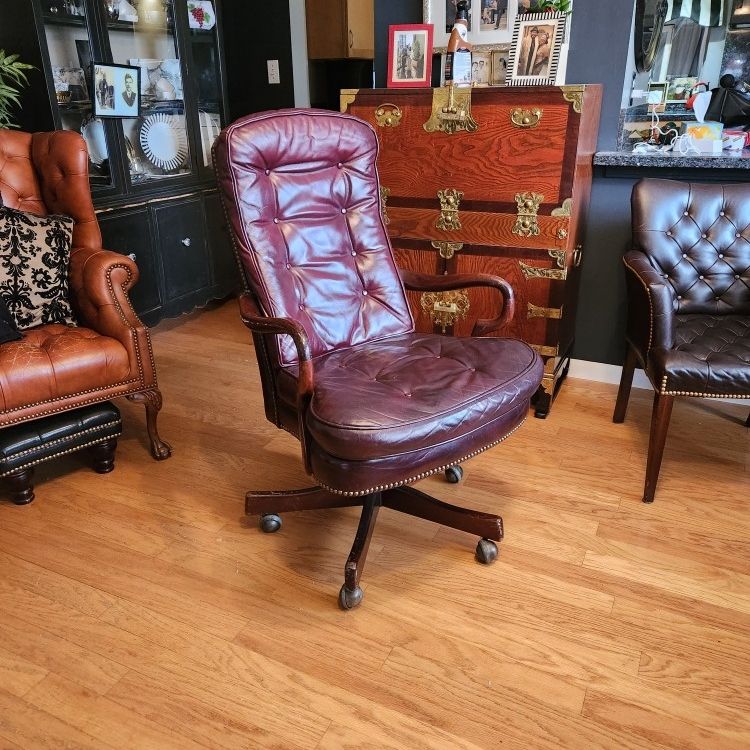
143, 82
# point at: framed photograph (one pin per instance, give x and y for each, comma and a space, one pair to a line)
481, 64
535, 53
499, 67
117, 90
490, 22
409, 55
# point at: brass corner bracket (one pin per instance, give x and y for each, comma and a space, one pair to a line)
574, 94
451, 111
347, 97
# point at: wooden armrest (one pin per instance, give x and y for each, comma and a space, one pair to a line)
421, 282
261, 324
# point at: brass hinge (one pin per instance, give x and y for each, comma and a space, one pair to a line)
528, 207
450, 200
551, 313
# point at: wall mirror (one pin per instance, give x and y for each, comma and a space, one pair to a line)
650, 16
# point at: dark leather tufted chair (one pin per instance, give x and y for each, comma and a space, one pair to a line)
374, 405
56, 368
688, 279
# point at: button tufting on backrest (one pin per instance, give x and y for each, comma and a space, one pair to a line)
313, 214
694, 235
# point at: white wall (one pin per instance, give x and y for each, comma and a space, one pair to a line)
299, 53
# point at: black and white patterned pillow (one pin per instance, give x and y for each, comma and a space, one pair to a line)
34, 258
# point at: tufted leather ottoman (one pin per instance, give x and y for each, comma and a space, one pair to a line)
95, 427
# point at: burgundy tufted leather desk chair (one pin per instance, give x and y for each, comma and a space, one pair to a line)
374, 405
55, 367
688, 282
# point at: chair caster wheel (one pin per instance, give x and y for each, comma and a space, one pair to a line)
270, 523
454, 474
486, 551
350, 599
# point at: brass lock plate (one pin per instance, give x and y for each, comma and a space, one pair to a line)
445, 308
451, 111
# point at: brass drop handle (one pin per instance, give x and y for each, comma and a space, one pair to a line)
388, 115
526, 118
187, 242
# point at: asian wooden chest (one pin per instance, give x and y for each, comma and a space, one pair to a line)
491, 180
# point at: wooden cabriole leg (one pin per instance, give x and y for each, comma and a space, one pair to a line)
659, 426
20, 486
351, 594
103, 455
626, 383
152, 401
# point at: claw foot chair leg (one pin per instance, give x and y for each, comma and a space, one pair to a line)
152, 401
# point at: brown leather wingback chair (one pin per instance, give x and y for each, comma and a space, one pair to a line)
375, 405
55, 367
688, 278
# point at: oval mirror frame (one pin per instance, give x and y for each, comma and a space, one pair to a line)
646, 54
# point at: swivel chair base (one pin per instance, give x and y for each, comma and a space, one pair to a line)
404, 499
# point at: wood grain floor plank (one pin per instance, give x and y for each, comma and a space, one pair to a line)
143, 610
105, 720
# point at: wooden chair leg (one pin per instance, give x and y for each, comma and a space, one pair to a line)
103, 455
626, 383
20, 484
151, 399
351, 594
311, 498
415, 503
659, 426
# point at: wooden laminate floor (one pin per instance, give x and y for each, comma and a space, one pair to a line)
140, 610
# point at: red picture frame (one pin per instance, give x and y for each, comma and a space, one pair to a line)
410, 55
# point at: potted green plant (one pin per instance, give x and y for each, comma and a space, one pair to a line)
553, 6
12, 79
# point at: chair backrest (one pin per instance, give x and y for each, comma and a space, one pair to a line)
302, 196
48, 173
698, 237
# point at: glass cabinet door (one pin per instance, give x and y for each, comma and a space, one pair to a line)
204, 42
67, 31
144, 88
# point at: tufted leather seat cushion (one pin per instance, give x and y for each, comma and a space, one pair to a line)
55, 361
711, 356
414, 391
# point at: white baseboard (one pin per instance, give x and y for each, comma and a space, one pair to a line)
601, 373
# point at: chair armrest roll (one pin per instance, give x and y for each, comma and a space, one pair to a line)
420, 282
99, 281
651, 309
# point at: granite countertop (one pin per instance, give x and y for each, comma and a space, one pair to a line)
670, 160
